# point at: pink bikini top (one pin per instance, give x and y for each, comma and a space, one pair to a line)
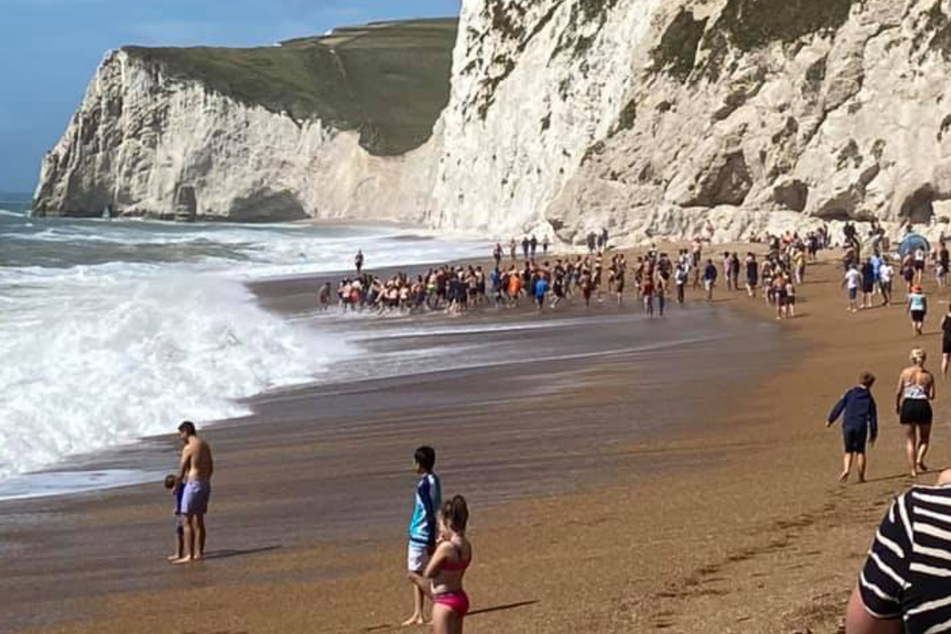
457, 566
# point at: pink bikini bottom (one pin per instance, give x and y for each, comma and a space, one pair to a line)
458, 602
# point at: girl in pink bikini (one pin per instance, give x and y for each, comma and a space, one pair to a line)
442, 579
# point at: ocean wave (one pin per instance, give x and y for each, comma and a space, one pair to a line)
105, 361
114, 331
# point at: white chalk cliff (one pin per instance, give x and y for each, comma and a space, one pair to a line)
651, 117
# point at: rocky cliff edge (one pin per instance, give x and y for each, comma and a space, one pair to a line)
651, 117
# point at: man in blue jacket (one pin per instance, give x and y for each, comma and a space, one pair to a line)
859, 425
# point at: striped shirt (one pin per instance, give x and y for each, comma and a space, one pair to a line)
908, 571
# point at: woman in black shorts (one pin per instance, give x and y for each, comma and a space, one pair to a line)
946, 342
916, 390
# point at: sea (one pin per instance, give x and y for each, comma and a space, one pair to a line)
114, 330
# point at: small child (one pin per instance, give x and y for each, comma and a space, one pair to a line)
423, 527
860, 424
171, 483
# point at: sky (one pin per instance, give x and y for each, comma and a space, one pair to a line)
49, 50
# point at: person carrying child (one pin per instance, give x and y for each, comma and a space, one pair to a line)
859, 425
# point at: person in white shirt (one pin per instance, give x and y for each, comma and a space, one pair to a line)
885, 274
852, 281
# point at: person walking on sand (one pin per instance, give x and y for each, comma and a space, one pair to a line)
441, 581
868, 283
918, 309
513, 249
916, 390
920, 258
680, 280
194, 476
545, 244
946, 342
852, 281
859, 425
709, 279
885, 274
752, 275
422, 526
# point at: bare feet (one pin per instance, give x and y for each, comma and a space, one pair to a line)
416, 619
182, 560
844, 477
174, 557
922, 468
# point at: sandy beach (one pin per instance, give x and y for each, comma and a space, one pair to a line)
624, 476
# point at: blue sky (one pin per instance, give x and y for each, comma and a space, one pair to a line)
49, 49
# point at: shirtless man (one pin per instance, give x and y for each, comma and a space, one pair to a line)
194, 475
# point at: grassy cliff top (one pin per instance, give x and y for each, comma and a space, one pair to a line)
387, 80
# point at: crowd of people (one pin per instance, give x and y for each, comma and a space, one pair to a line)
905, 575
653, 278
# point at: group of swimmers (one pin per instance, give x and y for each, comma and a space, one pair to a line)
451, 288
547, 284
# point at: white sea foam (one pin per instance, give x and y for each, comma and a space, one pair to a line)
94, 360
126, 328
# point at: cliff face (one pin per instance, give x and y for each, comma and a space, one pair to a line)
652, 117
663, 117
330, 127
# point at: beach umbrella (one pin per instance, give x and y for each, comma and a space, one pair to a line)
913, 242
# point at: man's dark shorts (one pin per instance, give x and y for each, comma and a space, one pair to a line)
855, 440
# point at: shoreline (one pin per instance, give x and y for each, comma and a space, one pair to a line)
241, 436
662, 553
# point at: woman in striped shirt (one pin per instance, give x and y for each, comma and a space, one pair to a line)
905, 585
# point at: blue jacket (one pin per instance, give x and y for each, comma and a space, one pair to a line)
422, 527
860, 411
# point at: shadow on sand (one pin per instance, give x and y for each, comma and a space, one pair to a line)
227, 554
498, 608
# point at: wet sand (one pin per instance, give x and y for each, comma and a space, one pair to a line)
659, 479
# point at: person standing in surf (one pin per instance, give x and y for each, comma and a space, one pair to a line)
194, 476
358, 261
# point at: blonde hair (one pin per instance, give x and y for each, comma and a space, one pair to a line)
918, 356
